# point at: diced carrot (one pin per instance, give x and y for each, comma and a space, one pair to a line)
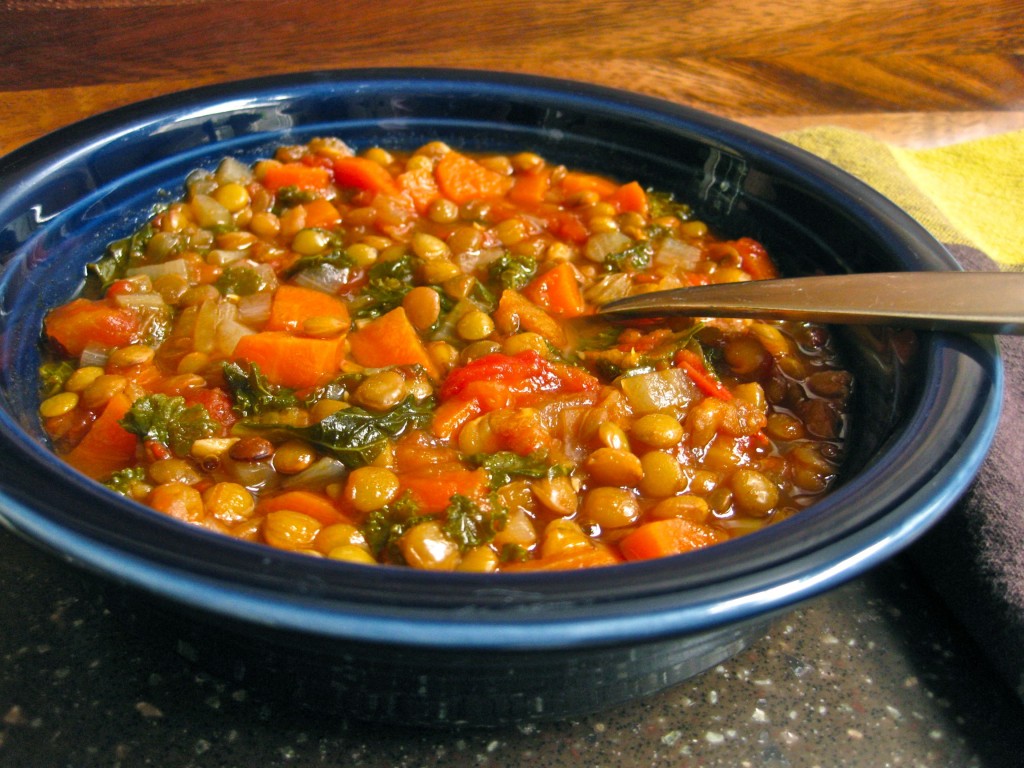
299, 175
451, 416
316, 505
361, 173
630, 197
672, 536
530, 188
571, 559
516, 311
291, 361
433, 487
293, 305
421, 187
107, 446
574, 182
391, 340
321, 213
80, 322
461, 179
557, 291
694, 366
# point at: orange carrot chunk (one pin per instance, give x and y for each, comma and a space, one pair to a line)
362, 173
630, 197
321, 213
293, 305
298, 175
291, 361
107, 446
557, 291
391, 340
462, 179
673, 536
80, 322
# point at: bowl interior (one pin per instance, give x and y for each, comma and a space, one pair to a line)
925, 409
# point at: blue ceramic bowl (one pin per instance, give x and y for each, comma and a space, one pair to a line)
394, 644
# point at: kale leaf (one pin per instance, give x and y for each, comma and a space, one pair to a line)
170, 421
113, 265
469, 525
240, 280
636, 258
353, 435
386, 285
123, 480
385, 526
253, 394
502, 466
52, 376
512, 271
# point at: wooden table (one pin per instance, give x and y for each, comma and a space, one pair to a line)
872, 674
917, 72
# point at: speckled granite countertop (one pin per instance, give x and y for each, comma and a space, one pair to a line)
872, 674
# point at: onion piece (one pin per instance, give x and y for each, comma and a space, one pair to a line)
175, 267
604, 244
325, 278
254, 309
319, 474
676, 255
670, 389
94, 353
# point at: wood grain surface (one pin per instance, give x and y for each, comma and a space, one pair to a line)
914, 71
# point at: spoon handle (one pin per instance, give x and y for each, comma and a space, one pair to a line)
979, 302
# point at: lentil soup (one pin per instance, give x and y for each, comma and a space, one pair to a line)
389, 357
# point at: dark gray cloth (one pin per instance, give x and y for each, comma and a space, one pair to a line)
974, 557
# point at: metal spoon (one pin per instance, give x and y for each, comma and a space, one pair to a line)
979, 302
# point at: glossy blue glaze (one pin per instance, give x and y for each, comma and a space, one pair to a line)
922, 426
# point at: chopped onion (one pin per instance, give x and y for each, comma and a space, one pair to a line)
254, 309
221, 257
602, 245
140, 300
176, 267
677, 255
229, 330
204, 336
324, 471
657, 391
94, 354
233, 170
254, 475
616, 285
323, 277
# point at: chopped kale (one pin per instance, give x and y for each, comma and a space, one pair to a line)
636, 258
124, 480
470, 525
664, 204
253, 394
113, 265
385, 526
512, 271
514, 553
289, 197
355, 436
240, 280
169, 421
502, 466
386, 285
52, 376
335, 258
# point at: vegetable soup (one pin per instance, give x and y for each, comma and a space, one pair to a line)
392, 358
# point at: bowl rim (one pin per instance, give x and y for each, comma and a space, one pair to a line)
513, 610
